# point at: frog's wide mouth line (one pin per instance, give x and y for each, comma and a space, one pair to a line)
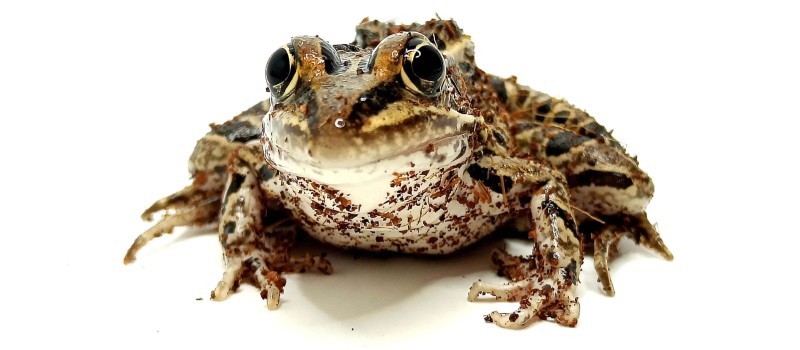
432, 154
435, 139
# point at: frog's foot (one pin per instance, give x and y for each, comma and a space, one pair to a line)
265, 272
545, 282
256, 251
607, 238
191, 206
539, 298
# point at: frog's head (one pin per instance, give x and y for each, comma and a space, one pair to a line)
341, 113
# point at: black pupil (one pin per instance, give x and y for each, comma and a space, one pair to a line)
427, 63
278, 67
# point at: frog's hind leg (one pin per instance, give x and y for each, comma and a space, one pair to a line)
606, 237
254, 253
604, 181
545, 282
194, 205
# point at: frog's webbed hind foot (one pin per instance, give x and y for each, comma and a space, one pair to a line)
191, 206
606, 238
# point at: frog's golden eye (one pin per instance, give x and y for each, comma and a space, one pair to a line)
281, 72
423, 67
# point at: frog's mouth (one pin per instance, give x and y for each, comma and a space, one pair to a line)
423, 138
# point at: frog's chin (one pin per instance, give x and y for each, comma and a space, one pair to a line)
434, 154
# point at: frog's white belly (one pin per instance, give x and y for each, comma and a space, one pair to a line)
435, 211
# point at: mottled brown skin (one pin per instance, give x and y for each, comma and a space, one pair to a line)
535, 159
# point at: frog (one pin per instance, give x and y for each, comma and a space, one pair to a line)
398, 142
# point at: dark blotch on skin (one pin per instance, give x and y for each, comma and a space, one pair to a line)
595, 129
219, 169
312, 107
499, 138
229, 227
561, 117
563, 142
375, 100
466, 68
346, 47
265, 173
236, 183
551, 208
543, 109
499, 86
571, 271
490, 180
238, 131
600, 178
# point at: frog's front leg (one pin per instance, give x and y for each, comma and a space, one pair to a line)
604, 181
254, 253
544, 283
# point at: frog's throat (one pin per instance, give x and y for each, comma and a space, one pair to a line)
442, 142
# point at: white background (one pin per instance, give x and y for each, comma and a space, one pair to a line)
101, 105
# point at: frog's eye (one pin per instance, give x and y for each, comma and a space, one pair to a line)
281, 72
423, 67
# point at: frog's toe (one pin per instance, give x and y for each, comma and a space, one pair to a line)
503, 292
648, 236
253, 270
188, 198
265, 271
604, 242
538, 298
230, 281
195, 216
605, 245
